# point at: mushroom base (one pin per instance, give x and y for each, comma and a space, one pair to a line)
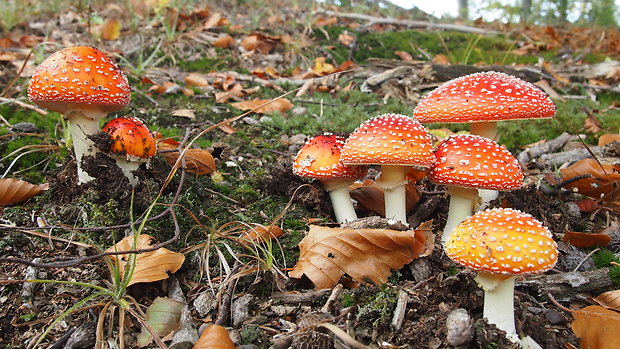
499, 301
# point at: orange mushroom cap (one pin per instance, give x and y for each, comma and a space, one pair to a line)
503, 241
475, 162
319, 158
389, 139
131, 137
486, 96
80, 78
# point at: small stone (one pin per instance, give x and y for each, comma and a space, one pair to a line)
460, 327
265, 120
241, 309
204, 303
573, 210
298, 139
420, 269
250, 120
24, 127
555, 317
535, 310
299, 111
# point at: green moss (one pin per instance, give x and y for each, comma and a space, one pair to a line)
378, 305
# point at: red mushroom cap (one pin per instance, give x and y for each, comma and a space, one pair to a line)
389, 139
79, 78
131, 137
487, 96
503, 241
319, 158
475, 162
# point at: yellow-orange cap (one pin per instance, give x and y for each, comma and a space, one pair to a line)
80, 78
131, 137
475, 162
503, 241
486, 96
389, 139
319, 158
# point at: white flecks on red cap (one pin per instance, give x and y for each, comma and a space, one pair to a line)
389, 139
475, 162
503, 241
487, 96
79, 75
320, 158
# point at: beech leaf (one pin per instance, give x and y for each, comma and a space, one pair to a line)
367, 255
260, 233
197, 161
14, 190
150, 266
163, 316
604, 181
214, 337
608, 138
609, 300
111, 29
279, 105
369, 195
578, 239
597, 327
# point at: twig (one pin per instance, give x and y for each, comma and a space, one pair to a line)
23, 105
223, 312
332, 297
399, 311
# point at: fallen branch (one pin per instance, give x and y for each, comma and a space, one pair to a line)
533, 153
17, 102
568, 285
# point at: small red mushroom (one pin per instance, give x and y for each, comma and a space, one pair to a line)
319, 158
132, 143
397, 143
466, 163
502, 244
84, 84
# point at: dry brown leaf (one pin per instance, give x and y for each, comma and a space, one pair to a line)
608, 138
213, 21
149, 266
280, 105
224, 41
196, 79
597, 327
321, 21
587, 205
259, 42
604, 181
111, 29
185, 113
369, 195
591, 124
7, 56
346, 39
404, 55
259, 233
14, 190
580, 240
609, 300
168, 87
226, 128
197, 161
441, 59
544, 85
367, 255
214, 337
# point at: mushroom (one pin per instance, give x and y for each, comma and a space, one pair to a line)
482, 99
319, 158
84, 84
466, 163
502, 244
132, 143
397, 143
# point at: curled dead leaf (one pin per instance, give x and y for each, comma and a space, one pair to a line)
14, 190
608, 138
609, 300
111, 29
603, 183
259, 233
214, 337
280, 105
149, 266
163, 316
597, 327
197, 161
196, 79
578, 239
367, 255
224, 41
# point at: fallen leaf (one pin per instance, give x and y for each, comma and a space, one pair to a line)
591, 124
404, 55
185, 113
346, 39
197, 161
321, 21
149, 266
580, 240
226, 128
7, 56
111, 29
609, 300
280, 105
196, 79
259, 233
259, 42
168, 87
163, 316
322, 68
224, 41
544, 85
367, 255
214, 337
603, 183
14, 190
587, 205
213, 21
370, 196
608, 138
597, 327
441, 59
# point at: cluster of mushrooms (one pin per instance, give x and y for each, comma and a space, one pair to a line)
501, 243
84, 85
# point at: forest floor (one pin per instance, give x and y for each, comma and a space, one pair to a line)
188, 68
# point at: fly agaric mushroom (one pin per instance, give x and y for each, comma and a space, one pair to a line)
482, 99
132, 143
466, 163
84, 84
319, 158
502, 244
396, 142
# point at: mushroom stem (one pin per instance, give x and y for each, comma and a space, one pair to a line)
128, 167
462, 202
499, 301
341, 200
486, 129
393, 181
81, 127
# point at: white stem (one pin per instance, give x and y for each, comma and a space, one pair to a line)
81, 127
461, 206
484, 129
393, 182
128, 167
499, 303
343, 207
486, 196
